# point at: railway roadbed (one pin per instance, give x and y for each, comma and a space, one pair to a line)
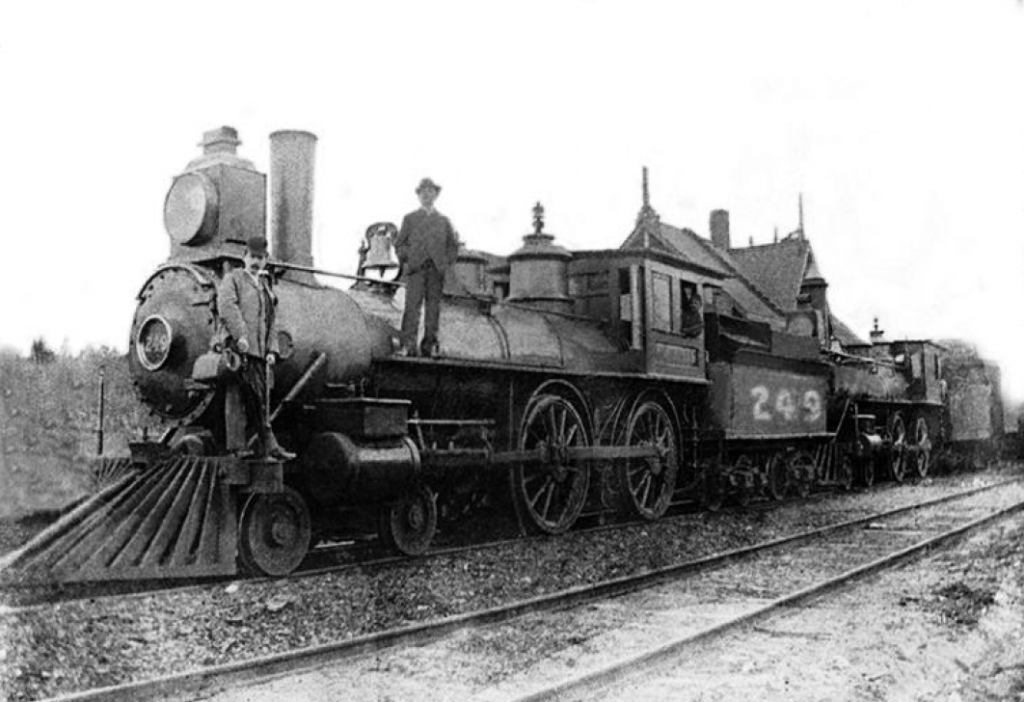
948, 627
82, 645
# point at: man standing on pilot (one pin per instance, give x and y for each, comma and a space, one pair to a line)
246, 305
427, 246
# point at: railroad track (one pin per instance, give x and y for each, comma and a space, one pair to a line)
358, 554
858, 547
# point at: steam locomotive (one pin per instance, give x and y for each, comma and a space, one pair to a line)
624, 380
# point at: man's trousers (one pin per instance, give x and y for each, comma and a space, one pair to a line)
245, 399
422, 287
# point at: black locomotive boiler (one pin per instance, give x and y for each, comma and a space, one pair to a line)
618, 380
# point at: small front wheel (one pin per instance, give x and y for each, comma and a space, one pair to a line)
409, 525
274, 533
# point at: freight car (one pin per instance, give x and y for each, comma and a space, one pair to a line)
570, 383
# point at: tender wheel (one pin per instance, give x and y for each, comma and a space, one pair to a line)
274, 533
922, 449
550, 492
742, 494
778, 477
898, 454
409, 525
801, 466
646, 484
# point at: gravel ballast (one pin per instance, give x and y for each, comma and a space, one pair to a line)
81, 645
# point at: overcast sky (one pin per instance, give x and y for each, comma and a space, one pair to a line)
901, 122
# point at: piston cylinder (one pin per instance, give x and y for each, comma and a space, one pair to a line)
340, 472
869, 444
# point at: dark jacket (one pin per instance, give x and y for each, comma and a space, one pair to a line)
426, 237
247, 311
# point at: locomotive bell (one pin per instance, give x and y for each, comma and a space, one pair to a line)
377, 252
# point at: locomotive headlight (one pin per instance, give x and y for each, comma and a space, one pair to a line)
190, 210
153, 342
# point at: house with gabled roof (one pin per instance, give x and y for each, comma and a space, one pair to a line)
738, 297
778, 283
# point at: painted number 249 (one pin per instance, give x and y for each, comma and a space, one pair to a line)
785, 405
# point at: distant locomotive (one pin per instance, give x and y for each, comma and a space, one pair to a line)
577, 382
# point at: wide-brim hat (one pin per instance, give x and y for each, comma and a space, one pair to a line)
257, 246
428, 183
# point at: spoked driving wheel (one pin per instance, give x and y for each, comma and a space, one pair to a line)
409, 525
898, 451
274, 533
922, 448
646, 484
550, 490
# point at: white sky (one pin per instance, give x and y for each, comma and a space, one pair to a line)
901, 122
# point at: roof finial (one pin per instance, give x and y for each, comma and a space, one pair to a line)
775, 240
800, 205
538, 218
647, 217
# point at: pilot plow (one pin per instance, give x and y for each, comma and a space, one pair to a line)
177, 518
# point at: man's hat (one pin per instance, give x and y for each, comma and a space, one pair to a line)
428, 183
257, 246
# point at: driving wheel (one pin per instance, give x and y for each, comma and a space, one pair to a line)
922, 449
551, 489
646, 484
898, 451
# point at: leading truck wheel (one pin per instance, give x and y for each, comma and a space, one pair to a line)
274, 533
646, 484
550, 490
409, 525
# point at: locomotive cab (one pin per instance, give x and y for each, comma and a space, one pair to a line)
653, 302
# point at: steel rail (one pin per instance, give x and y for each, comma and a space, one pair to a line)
391, 560
591, 685
207, 681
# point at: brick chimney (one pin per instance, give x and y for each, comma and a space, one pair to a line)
720, 229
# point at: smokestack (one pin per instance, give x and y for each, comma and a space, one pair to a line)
720, 229
291, 196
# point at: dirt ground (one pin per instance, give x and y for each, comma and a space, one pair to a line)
947, 628
950, 627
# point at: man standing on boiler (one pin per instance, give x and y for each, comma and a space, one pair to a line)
427, 246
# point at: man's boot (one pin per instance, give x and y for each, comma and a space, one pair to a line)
274, 449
